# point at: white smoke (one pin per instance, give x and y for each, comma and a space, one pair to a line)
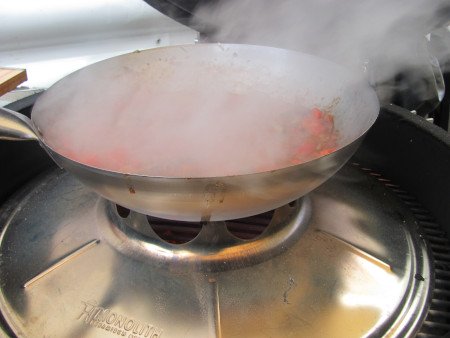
203, 110
382, 37
224, 110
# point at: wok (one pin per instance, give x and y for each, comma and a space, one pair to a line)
280, 73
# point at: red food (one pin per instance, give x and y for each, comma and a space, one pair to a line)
318, 137
290, 139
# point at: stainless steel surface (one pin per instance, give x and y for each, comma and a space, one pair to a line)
316, 81
3, 333
62, 261
213, 249
333, 281
15, 126
209, 199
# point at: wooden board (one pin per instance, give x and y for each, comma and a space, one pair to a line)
10, 78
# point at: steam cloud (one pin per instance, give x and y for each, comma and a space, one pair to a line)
203, 111
181, 112
382, 37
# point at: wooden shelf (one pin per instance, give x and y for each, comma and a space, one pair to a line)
10, 78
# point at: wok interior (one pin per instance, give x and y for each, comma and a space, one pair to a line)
97, 102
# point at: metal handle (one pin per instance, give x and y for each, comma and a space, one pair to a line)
15, 126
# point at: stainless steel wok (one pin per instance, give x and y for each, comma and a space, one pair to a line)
271, 70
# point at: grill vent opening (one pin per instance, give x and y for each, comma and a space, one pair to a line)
122, 211
250, 227
178, 232
175, 232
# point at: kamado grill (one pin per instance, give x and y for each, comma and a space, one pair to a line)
363, 254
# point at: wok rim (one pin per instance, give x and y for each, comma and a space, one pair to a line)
368, 90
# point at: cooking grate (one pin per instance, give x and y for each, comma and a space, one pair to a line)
437, 320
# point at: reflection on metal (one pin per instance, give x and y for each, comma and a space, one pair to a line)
213, 249
62, 261
216, 301
313, 285
358, 251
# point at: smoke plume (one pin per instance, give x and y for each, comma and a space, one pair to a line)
384, 38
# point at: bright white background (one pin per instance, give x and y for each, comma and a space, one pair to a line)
52, 38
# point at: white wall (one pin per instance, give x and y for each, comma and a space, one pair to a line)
52, 38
